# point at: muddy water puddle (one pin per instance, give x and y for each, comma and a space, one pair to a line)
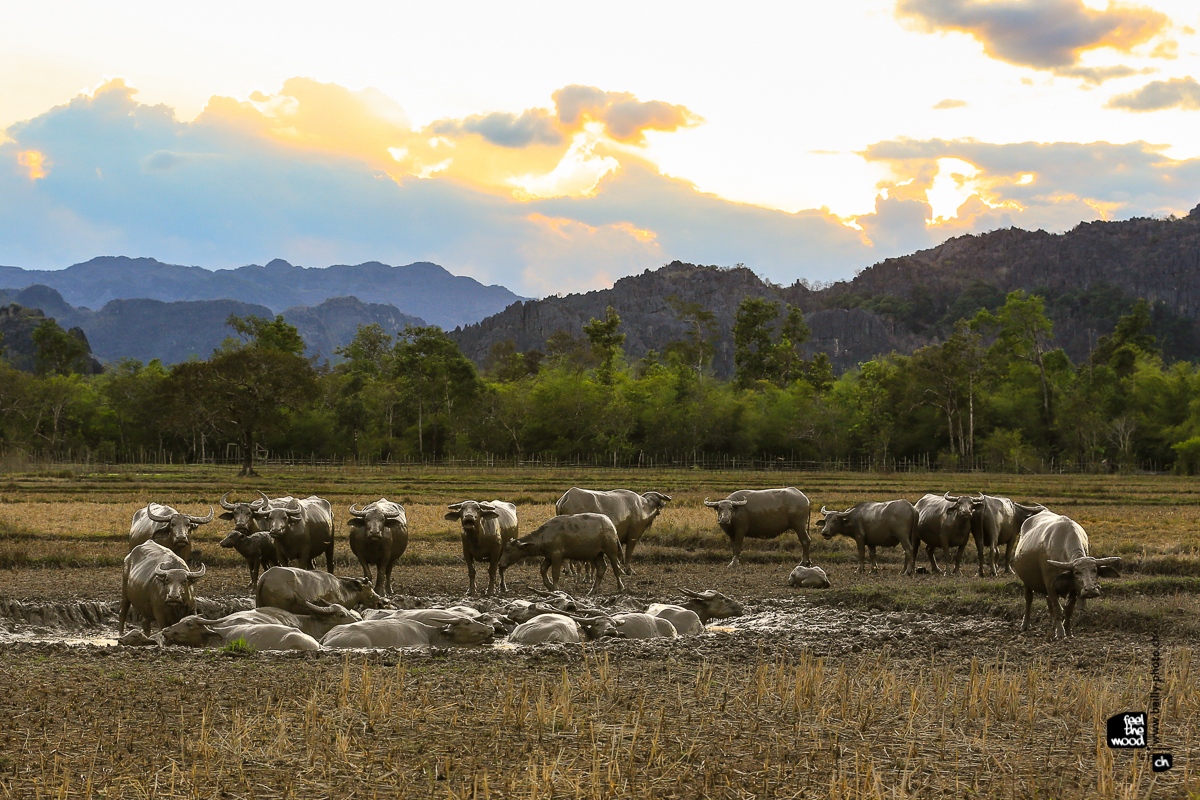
788, 623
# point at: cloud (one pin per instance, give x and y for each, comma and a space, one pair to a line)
625, 117
948, 103
1042, 34
1158, 95
535, 126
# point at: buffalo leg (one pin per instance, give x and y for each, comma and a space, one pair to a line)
598, 567
329, 557
471, 588
805, 544
862, 557
1025, 625
503, 583
1067, 612
932, 560
981, 550
962, 548
546, 577
122, 615
556, 569
1056, 624
616, 573
1008, 553
491, 578
874, 561
628, 556
736, 543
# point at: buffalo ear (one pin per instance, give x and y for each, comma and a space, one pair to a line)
453, 515
226, 515
356, 523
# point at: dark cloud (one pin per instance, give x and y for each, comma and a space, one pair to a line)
625, 117
535, 126
1042, 34
1176, 93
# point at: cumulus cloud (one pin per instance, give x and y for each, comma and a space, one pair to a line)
625, 117
1043, 34
535, 126
948, 103
1158, 95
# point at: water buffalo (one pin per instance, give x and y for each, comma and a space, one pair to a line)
294, 589
631, 513
581, 537
378, 633
428, 616
378, 537
1052, 559
946, 521
485, 529
195, 631
635, 625
997, 521
873, 525
763, 514
319, 621
686, 621
257, 548
301, 529
242, 514
170, 528
546, 628
158, 585
809, 578
711, 604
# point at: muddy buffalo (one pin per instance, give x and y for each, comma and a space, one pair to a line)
195, 631
873, 525
1052, 558
997, 521
631, 513
257, 548
170, 528
763, 514
157, 584
945, 521
301, 529
485, 529
379, 633
378, 537
295, 589
579, 537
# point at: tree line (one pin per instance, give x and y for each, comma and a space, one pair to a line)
994, 391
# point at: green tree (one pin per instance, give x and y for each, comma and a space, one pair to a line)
1023, 333
753, 341
268, 334
697, 350
58, 352
369, 352
434, 374
1129, 340
606, 343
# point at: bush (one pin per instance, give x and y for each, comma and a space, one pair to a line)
1187, 456
1007, 451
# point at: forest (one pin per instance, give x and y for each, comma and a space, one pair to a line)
993, 394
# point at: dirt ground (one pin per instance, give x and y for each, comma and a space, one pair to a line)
799, 697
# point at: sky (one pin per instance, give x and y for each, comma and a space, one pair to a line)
557, 147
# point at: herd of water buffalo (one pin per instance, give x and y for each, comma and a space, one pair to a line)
298, 607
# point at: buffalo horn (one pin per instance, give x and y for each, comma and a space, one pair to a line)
739, 502
1063, 565
1110, 561
263, 502
356, 511
824, 510
202, 520
317, 609
161, 569
456, 506
947, 497
225, 504
155, 517
394, 513
198, 574
710, 503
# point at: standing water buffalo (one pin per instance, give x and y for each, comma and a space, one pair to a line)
257, 548
294, 589
300, 528
486, 527
242, 514
763, 514
1052, 559
873, 525
946, 521
157, 584
997, 521
378, 537
579, 537
631, 513
168, 527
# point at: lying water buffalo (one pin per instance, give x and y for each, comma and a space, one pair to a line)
634, 625
873, 525
711, 604
195, 631
170, 528
378, 633
294, 589
809, 578
946, 521
158, 585
546, 628
763, 514
378, 537
1052, 559
321, 620
997, 521
579, 537
301, 529
631, 513
257, 548
485, 529
686, 621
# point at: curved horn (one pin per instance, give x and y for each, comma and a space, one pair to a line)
202, 520
948, 498
264, 501
825, 510
486, 507
154, 517
198, 574
456, 506
318, 609
710, 503
1062, 565
225, 504
356, 511
690, 593
1110, 561
394, 514
739, 502
161, 568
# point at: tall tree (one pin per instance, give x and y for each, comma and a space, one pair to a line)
697, 350
753, 341
433, 373
58, 352
606, 342
1022, 332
